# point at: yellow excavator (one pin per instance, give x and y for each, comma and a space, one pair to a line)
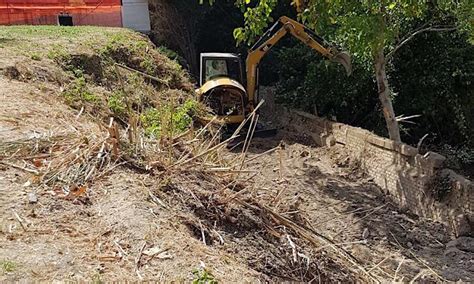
222, 78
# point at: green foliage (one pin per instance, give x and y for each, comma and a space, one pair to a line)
257, 15
365, 27
431, 76
168, 52
148, 65
309, 83
116, 103
202, 276
114, 42
7, 266
58, 53
182, 118
169, 120
152, 122
434, 76
78, 92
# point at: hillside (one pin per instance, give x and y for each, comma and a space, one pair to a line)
108, 173
59, 86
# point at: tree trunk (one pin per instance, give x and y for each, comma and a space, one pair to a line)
384, 96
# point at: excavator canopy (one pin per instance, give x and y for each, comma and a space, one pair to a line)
215, 65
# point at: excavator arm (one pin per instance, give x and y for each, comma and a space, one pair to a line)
283, 26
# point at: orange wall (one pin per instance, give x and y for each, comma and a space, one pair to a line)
44, 12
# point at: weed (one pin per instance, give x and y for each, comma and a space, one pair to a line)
202, 276
116, 103
168, 52
139, 45
58, 54
114, 42
182, 118
7, 266
151, 120
89, 97
35, 56
148, 65
79, 92
78, 73
168, 119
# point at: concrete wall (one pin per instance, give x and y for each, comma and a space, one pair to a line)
416, 182
135, 15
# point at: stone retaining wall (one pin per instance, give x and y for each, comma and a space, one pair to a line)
416, 182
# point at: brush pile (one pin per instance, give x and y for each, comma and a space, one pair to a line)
212, 193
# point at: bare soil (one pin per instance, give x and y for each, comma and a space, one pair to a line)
325, 190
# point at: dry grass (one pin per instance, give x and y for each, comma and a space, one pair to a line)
71, 164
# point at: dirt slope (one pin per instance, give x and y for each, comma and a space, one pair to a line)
94, 238
44, 233
325, 190
298, 213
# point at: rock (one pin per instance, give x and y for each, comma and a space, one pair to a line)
304, 153
32, 198
365, 233
451, 252
464, 226
465, 244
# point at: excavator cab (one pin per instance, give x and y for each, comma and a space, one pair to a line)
216, 65
222, 88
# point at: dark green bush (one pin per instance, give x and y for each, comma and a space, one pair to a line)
432, 76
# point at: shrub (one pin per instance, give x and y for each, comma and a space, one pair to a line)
168, 120
116, 103
78, 93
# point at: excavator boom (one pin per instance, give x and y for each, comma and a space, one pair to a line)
283, 26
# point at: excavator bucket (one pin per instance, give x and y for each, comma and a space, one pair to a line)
345, 60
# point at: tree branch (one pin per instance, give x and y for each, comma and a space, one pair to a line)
413, 34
